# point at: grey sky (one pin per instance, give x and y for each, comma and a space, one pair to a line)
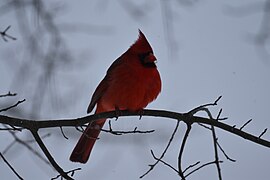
204, 50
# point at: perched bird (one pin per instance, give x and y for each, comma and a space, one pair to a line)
131, 83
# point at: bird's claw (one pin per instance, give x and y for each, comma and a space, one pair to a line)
117, 113
140, 113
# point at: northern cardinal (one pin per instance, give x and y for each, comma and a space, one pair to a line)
131, 83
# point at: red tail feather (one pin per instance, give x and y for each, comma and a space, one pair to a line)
84, 146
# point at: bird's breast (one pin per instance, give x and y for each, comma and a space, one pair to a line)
131, 88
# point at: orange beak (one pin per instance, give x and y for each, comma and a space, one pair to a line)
151, 58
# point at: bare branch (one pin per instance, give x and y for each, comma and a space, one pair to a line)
264, 131
224, 153
30, 124
125, 132
5, 36
25, 144
8, 147
11, 129
49, 156
181, 173
167, 164
191, 166
152, 166
61, 128
216, 152
199, 108
79, 128
198, 168
245, 124
68, 172
219, 114
206, 127
13, 170
188, 118
215, 140
203, 108
19, 102
8, 94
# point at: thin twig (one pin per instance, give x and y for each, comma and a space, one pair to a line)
49, 156
191, 166
25, 144
245, 124
206, 127
224, 153
152, 166
128, 132
199, 108
5, 36
215, 140
19, 102
219, 114
181, 173
79, 128
216, 153
68, 172
125, 132
61, 128
8, 94
167, 164
11, 129
8, 147
13, 170
203, 108
264, 131
198, 168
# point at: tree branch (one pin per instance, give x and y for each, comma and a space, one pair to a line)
187, 118
19, 102
25, 143
222, 150
114, 132
152, 166
8, 94
182, 151
198, 168
13, 170
167, 164
5, 36
215, 140
49, 156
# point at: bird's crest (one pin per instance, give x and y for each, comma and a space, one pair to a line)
141, 44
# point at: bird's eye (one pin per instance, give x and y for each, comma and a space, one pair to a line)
143, 57
147, 59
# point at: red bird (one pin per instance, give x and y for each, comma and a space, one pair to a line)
131, 83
